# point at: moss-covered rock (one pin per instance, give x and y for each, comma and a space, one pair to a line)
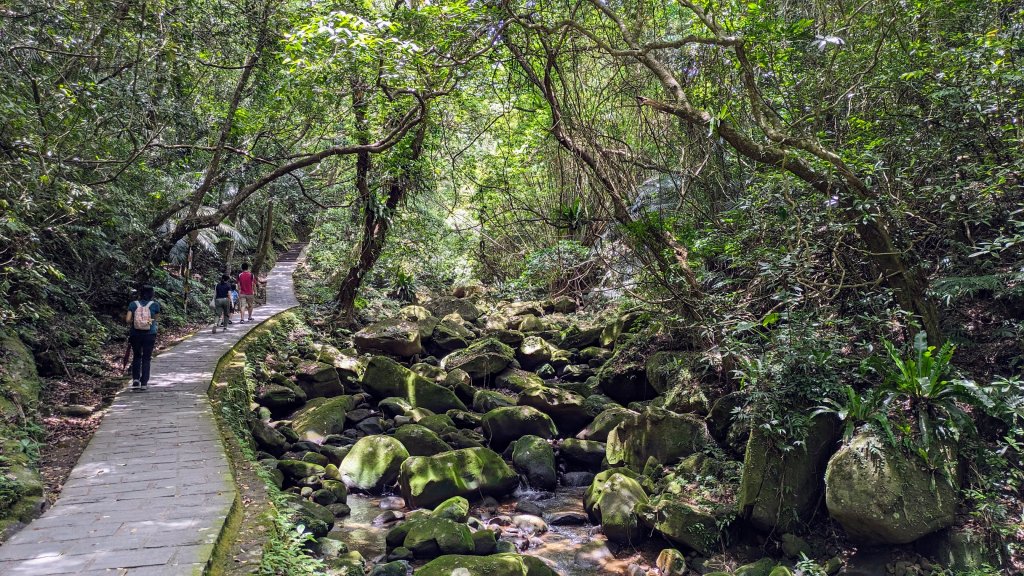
506, 564
681, 523
295, 470
373, 463
518, 380
395, 336
534, 458
420, 440
582, 454
567, 409
503, 425
434, 536
486, 400
267, 438
671, 562
782, 490
624, 377
455, 509
612, 500
385, 377
317, 519
318, 379
322, 416
482, 359
657, 433
605, 422
442, 307
578, 338
882, 496
449, 337
280, 398
470, 472
534, 351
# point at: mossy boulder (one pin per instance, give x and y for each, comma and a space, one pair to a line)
395, 336
501, 426
681, 523
317, 519
534, 458
582, 454
624, 377
434, 536
267, 438
384, 377
883, 496
280, 398
482, 359
455, 509
442, 307
782, 490
605, 422
612, 500
420, 440
567, 409
322, 416
486, 400
471, 472
534, 351
657, 433
505, 564
296, 470
449, 337
373, 463
318, 379
518, 380
578, 338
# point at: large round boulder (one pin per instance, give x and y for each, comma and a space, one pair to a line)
781, 490
535, 459
567, 409
518, 380
505, 564
534, 351
373, 463
611, 500
471, 472
420, 440
322, 416
503, 425
605, 422
666, 436
395, 336
482, 359
384, 378
882, 496
434, 536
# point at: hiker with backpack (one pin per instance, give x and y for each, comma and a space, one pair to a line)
222, 303
246, 291
142, 320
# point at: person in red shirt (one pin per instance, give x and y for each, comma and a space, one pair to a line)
246, 293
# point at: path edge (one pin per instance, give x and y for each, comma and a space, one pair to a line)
230, 368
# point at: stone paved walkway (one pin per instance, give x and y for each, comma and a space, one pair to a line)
151, 492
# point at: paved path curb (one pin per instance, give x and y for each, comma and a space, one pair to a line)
151, 492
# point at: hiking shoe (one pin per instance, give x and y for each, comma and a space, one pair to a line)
136, 384
144, 386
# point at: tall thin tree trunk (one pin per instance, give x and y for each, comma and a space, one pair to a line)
266, 240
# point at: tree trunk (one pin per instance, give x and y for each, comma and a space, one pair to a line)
266, 240
376, 224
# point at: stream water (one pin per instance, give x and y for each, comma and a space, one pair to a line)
571, 550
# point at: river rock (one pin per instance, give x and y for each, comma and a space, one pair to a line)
624, 378
395, 336
505, 564
279, 398
420, 440
486, 400
318, 379
518, 380
470, 472
317, 519
455, 509
681, 523
503, 425
267, 438
385, 377
782, 490
373, 463
604, 422
485, 542
566, 518
657, 433
482, 359
296, 470
434, 536
882, 496
566, 409
396, 568
442, 307
450, 336
534, 458
611, 500
321, 417
534, 351
582, 454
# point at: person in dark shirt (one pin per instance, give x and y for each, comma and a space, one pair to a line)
222, 303
142, 318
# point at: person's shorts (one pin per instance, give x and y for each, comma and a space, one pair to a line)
248, 299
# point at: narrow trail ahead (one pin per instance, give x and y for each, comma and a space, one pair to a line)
151, 492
